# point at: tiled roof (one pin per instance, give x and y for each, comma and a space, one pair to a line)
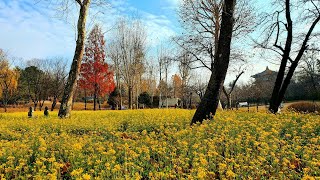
266, 72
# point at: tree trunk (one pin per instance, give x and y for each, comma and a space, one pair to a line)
281, 92
35, 104
67, 98
281, 73
85, 100
190, 101
99, 104
209, 102
137, 97
95, 97
283, 81
5, 100
228, 96
54, 103
5, 107
130, 97
120, 108
229, 101
41, 105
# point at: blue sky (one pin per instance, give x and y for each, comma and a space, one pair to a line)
31, 30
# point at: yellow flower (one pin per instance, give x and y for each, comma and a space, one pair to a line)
77, 146
203, 161
76, 172
86, 176
201, 173
137, 176
144, 132
306, 177
230, 174
116, 168
222, 166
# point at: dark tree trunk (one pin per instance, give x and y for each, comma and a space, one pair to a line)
99, 103
228, 96
283, 80
210, 100
274, 101
5, 105
95, 97
67, 98
229, 102
85, 100
54, 103
5, 100
35, 104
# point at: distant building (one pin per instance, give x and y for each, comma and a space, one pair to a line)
262, 87
266, 75
170, 102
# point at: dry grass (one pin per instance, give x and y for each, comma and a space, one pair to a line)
304, 107
76, 106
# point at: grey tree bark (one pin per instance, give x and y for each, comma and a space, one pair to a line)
66, 103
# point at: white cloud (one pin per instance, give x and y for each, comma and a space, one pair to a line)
28, 33
159, 27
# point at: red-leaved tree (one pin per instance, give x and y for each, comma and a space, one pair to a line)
95, 76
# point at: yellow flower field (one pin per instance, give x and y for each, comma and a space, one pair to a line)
159, 144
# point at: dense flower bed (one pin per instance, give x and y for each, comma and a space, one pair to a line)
159, 144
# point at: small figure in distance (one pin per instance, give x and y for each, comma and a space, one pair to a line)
46, 111
30, 112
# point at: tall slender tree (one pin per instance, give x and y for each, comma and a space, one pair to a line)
130, 40
71, 84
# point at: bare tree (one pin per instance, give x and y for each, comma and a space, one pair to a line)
167, 61
58, 75
45, 86
185, 71
160, 59
199, 86
310, 70
130, 39
285, 38
113, 54
210, 101
201, 20
151, 79
228, 91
